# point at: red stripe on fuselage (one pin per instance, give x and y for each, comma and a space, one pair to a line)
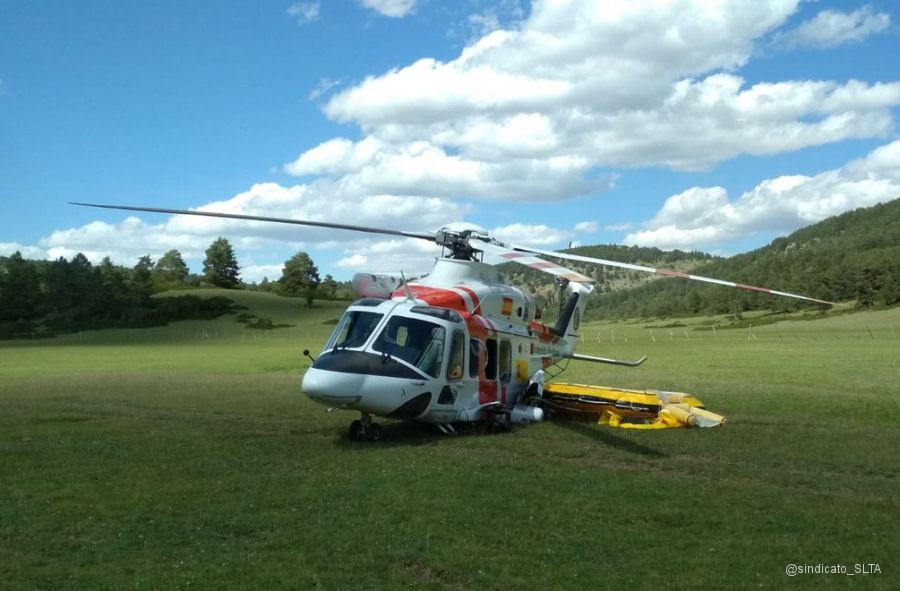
543, 332
476, 301
433, 296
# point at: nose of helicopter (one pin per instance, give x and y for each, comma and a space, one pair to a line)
331, 388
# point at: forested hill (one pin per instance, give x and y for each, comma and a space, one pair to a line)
853, 257
608, 278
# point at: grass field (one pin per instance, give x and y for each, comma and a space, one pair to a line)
185, 456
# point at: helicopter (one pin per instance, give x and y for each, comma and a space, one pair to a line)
459, 345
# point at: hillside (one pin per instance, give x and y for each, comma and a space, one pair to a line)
608, 279
853, 257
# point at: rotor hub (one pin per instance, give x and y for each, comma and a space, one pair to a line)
455, 238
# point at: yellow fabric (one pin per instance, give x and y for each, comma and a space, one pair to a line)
632, 409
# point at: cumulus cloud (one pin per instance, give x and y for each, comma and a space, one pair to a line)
587, 227
540, 110
701, 217
830, 28
421, 168
391, 8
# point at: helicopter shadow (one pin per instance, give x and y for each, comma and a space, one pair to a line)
400, 434
603, 436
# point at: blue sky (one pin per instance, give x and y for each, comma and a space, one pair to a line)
667, 124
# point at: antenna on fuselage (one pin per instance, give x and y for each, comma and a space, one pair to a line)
409, 295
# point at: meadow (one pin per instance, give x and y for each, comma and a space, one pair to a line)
186, 456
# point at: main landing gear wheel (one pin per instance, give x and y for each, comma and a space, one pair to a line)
499, 421
364, 429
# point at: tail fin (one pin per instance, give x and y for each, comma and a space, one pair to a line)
569, 322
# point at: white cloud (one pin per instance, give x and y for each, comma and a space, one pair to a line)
587, 227
831, 28
409, 256
534, 111
704, 216
354, 261
530, 235
27, 252
391, 8
304, 12
253, 273
421, 168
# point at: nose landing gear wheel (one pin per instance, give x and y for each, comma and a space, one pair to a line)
356, 431
363, 429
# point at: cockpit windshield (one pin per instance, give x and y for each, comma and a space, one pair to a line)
418, 342
353, 330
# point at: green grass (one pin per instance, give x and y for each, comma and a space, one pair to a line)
185, 456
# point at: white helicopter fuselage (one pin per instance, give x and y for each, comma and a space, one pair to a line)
441, 350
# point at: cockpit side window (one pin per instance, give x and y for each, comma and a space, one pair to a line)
353, 330
457, 356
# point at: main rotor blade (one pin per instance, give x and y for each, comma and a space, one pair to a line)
256, 218
668, 273
528, 260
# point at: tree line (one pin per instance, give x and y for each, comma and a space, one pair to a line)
853, 257
42, 298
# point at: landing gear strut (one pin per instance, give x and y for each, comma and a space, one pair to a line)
364, 429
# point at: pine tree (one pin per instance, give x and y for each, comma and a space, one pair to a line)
300, 277
142, 281
221, 267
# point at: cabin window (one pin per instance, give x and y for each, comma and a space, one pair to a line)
490, 370
505, 360
475, 348
457, 356
417, 342
353, 330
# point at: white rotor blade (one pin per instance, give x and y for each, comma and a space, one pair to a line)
528, 260
668, 273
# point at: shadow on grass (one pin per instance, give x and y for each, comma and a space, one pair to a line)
409, 434
605, 436
406, 434
397, 433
